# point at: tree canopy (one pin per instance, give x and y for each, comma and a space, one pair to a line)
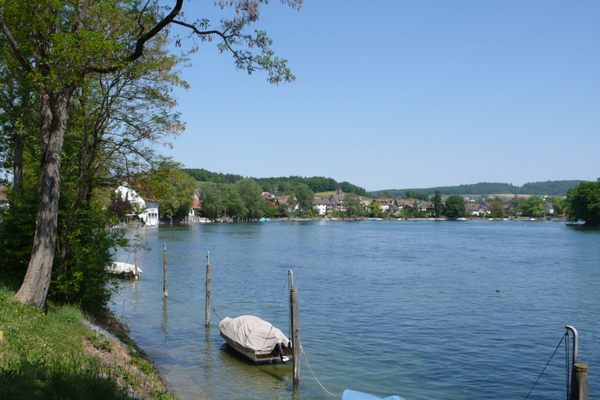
584, 203
79, 81
455, 207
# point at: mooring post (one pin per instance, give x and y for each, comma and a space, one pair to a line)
290, 286
136, 273
580, 386
165, 275
296, 345
208, 284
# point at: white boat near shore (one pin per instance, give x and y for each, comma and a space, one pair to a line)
124, 269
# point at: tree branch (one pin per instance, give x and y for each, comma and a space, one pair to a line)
14, 46
139, 45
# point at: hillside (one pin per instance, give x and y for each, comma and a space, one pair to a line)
277, 184
551, 188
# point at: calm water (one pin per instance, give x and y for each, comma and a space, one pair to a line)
426, 310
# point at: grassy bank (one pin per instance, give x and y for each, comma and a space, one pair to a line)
54, 355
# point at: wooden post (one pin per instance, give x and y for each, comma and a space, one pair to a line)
296, 346
290, 286
580, 386
165, 275
136, 273
208, 287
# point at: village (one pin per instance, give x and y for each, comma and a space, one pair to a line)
341, 205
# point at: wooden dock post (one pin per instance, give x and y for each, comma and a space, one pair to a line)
165, 275
136, 273
580, 386
296, 345
208, 288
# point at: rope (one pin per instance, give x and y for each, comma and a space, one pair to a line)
313, 374
216, 313
545, 366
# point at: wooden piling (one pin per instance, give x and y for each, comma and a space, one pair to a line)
580, 389
136, 273
295, 336
165, 275
208, 290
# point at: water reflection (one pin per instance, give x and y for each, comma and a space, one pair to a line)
164, 324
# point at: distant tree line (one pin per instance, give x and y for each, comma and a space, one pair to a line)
550, 188
278, 185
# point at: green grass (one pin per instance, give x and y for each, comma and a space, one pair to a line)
325, 195
42, 357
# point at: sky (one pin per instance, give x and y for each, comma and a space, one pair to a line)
398, 94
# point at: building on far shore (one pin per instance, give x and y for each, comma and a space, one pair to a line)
144, 209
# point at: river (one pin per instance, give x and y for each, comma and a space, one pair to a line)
425, 310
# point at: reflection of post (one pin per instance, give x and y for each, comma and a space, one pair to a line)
136, 273
208, 284
165, 277
165, 317
295, 336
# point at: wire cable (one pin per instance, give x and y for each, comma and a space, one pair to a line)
545, 366
313, 374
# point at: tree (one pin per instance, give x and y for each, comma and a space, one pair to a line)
353, 205
532, 207
375, 210
584, 203
172, 188
560, 205
54, 46
304, 196
251, 195
438, 206
212, 198
234, 204
497, 208
455, 207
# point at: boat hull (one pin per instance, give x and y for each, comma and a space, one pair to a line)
255, 357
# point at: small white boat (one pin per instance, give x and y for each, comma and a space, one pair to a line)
256, 339
124, 269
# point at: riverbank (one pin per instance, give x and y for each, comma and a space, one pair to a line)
62, 354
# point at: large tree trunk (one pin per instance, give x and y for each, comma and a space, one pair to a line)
18, 161
54, 114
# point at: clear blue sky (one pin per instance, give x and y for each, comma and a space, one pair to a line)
394, 94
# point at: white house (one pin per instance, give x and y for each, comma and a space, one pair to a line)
145, 210
321, 205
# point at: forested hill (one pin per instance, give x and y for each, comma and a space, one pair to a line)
281, 184
551, 188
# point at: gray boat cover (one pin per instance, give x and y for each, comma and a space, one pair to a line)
253, 333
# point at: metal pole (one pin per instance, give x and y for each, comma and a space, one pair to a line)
579, 388
208, 290
572, 329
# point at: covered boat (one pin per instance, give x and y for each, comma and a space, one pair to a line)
256, 339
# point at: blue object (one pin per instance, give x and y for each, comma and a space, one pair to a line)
354, 395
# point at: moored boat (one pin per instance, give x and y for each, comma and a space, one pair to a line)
256, 339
